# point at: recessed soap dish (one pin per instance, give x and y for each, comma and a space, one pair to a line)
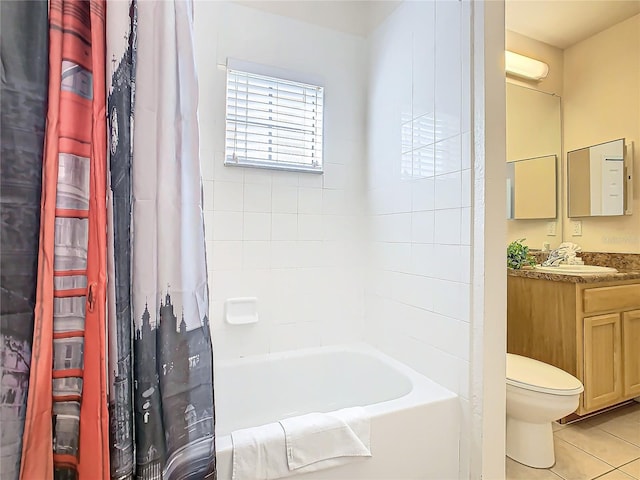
241, 310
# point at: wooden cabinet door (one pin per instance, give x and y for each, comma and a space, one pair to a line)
602, 361
631, 352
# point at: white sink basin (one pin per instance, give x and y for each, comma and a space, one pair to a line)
576, 269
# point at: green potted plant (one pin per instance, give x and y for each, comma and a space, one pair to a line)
518, 255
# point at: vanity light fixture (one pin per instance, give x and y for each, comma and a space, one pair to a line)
525, 67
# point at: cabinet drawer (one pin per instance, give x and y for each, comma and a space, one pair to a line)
618, 298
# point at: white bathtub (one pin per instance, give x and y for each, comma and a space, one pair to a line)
414, 421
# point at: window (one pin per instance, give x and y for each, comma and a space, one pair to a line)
273, 123
68, 356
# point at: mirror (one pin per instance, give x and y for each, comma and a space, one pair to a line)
596, 180
599, 93
531, 188
534, 150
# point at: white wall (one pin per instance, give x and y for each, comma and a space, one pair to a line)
489, 297
602, 103
289, 239
419, 192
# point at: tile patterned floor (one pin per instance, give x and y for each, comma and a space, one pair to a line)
606, 447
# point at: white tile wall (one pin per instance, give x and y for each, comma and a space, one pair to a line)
291, 239
296, 241
226, 226
284, 226
448, 224
257, 197
228, 196
309, 200
417, 304
284, 198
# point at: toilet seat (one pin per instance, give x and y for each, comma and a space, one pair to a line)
530, 374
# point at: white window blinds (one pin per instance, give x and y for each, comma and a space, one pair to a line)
273, 123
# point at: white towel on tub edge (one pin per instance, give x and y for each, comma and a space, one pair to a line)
312, 442
313, 438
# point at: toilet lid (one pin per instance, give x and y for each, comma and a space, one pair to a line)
537, 376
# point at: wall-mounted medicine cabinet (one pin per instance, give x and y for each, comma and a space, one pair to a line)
599, 180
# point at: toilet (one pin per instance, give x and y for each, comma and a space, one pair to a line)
537, 394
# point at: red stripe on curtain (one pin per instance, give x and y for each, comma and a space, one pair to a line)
69, 372
68, 334
76, 124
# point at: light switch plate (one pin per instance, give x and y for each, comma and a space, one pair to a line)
551, 229
576, 228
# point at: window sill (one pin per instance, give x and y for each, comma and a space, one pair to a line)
274, 166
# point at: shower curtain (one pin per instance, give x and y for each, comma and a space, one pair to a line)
121, 377
173, 393
121, 44
23, 103
66, 427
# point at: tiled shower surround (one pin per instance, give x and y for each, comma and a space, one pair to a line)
293, 240
418, 292
417, 299
377, 249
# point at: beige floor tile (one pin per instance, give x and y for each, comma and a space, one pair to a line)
632, 469
615, 475
630, 412
624, 428
517, 471
599, 443
558, 426
574, 464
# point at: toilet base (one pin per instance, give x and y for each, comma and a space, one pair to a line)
530, 443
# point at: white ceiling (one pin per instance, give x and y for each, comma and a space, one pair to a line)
357, 17
562, 23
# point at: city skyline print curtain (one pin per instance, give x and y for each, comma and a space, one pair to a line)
173, 386
66, 427
121, 44
105, 345
23, 106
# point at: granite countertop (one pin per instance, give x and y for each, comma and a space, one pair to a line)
627, 264
623, 274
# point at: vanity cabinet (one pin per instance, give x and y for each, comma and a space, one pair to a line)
591, 330
602, 361
631, 353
